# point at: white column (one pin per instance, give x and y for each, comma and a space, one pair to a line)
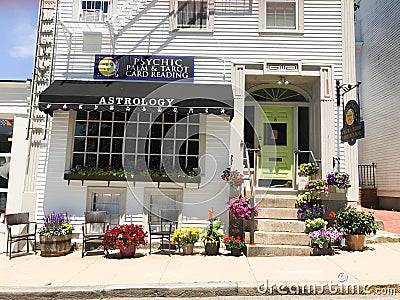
237, 123
349, 77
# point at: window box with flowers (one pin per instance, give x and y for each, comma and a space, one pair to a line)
355, 225
55, 235
108, 174
185, 238
235, 244
212, 235
127, 238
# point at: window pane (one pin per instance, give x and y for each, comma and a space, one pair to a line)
77, 160
79, 144
193, 162
181, 131
105, 145
117, 146
169, 118
154, 162
106, 115
281, 15
155, 146
93, 128
80, 128
156, 130
181, 145
118, 129
81, 115
193, 147
144, 129
94, 115
116, 161
192, 14
143, 117
91, 160
129, 162
193, 130
104, 160
118, 116
91, 145
130, 146
105, 129
142, 146
168, 147
131, 130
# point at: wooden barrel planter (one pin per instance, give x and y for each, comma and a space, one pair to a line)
51, 246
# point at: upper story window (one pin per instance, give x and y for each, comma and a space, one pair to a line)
281, 15
192, 15
95, 11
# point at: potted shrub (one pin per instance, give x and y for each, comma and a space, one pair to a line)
55, 235
235, 244
212, 235
127, 238
308, 198
355, 224
186, 237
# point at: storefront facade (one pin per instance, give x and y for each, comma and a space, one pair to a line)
178, 88
14, 105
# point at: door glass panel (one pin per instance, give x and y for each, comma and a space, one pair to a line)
275, 134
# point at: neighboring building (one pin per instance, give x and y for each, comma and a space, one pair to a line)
14, 107
183, 86
378, 57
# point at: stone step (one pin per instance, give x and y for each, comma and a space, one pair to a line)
279, 238
282, 192
277, 250
278, 213
271, 225
276, 202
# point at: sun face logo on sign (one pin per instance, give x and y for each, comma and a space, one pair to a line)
353, 128
108, 66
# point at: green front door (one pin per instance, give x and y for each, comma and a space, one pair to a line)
276, 137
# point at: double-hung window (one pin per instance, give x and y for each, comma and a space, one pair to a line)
136, 141
95, 11
281, 15
192, 15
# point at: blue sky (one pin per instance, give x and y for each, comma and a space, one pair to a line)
18, 25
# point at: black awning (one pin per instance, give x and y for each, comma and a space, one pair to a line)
123, 96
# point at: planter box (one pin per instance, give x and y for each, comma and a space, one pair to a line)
315, 251
55, 245
135, 178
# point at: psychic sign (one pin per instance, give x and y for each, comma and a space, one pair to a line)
144, 67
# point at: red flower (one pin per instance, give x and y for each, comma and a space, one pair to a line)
332, 214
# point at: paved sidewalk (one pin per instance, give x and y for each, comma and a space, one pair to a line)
35, 277
390, 219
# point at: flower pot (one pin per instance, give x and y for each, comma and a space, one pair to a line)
355, 242
236, 252
211, 248
187, 249
128, 252
51, 246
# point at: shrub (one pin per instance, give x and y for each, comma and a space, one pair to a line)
351, 221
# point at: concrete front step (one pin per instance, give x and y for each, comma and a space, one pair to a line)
281, 192
277, 250
271, 225
278, 213
279, 238
276, 202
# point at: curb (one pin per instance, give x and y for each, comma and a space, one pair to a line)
187, 290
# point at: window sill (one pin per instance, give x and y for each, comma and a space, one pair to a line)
191, 30
277, 31
134, 179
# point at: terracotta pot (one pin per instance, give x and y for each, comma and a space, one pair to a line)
187, 249
355, 242
51, 246
211, 248
128, 252
236, 252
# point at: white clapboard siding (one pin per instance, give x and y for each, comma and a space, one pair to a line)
380, 88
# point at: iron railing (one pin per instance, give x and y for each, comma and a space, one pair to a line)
366, 175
